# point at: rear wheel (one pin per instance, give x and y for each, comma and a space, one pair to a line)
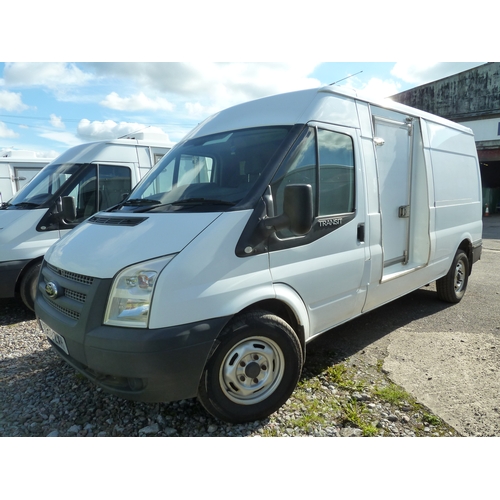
28, 286
253, 370
451, 288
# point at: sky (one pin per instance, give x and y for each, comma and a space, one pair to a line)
121, 81
50, 107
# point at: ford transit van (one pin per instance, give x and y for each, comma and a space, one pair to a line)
270, 223
94, 176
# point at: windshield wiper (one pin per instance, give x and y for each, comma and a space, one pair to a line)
26, 204
140, 201
203, 201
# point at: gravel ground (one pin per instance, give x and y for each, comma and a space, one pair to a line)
42, 396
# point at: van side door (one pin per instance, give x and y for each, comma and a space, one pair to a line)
326, 266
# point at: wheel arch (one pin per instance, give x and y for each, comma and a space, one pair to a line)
466, 246
288, 306
24, 271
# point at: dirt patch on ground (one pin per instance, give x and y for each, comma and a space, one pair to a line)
455, 374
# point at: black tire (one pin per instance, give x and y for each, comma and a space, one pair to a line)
451, 288
254, 369
28, 286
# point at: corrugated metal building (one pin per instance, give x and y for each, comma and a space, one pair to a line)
471, 98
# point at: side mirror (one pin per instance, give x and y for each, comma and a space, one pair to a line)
68, 208
298, 210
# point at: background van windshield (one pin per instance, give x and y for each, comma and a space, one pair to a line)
45, 184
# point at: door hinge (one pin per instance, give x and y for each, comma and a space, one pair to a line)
409, 122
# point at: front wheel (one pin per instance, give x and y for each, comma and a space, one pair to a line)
451, 288
253, 370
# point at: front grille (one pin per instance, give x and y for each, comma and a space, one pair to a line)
64, 310
79, 278
78, 296
73, 289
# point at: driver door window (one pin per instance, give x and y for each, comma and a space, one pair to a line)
323, 159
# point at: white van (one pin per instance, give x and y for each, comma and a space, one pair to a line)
94, 176
271, 222
17, 168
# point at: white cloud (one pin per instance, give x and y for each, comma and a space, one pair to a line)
56, 121
7, 133
197, 110
66, 138
136, 102
381, 88
375, 87
216, 84
52, 75
108, 129
11, 101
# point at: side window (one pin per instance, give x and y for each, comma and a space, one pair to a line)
114, 182
157, 157
325, 160
336, 173
194, 170
299, 167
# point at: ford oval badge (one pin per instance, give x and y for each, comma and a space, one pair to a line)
51, 290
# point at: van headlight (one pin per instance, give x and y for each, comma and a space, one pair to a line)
132, 293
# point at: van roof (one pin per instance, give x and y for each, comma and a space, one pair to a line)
152, 139
303, 106
101, 150
148, 138
22, 155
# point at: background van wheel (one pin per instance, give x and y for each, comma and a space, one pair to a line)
253, 370
28, 286
451, 288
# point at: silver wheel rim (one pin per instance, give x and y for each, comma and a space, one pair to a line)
252, 370
459, 276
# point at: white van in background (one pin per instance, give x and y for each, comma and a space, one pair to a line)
270, 223
85, 179
17, 168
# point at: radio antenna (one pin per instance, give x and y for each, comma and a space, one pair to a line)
334, 83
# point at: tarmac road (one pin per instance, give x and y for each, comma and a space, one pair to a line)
447, 356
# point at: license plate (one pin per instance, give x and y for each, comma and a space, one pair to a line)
55, 337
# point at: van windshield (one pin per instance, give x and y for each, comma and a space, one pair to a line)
44, 185
213, 171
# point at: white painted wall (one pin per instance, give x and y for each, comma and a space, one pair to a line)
484, 130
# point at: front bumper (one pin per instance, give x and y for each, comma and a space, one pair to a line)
9, 274
157, 366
